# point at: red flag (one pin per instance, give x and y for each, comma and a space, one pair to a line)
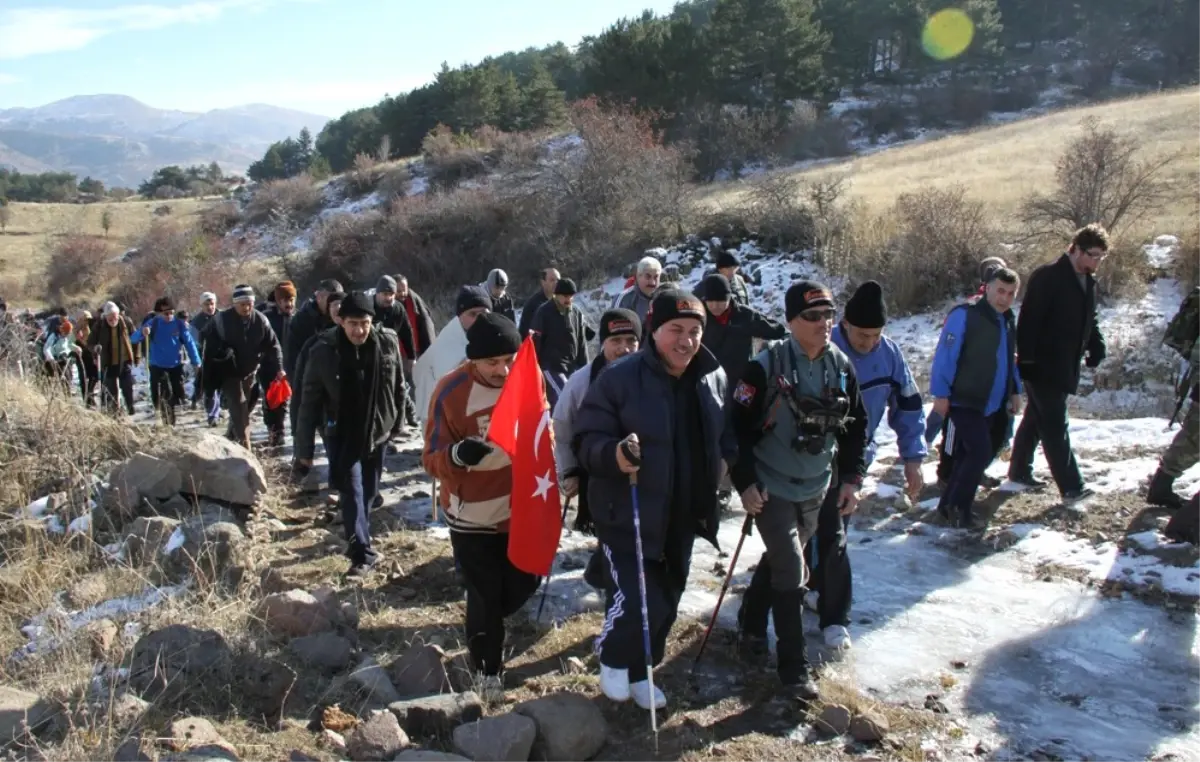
521, 427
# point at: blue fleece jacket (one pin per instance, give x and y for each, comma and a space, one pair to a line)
945, 362
165, 340
887, 384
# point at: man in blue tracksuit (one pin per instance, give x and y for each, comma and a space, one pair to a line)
167, 335
886, 385
976, 385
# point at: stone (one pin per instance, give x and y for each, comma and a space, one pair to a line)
507, 738
428, 755
325, 650
123, 710
143, 476
334, 739
298, 756
177, 507
214, 549
437, 715
374, 681
102, 635
380, 737
271, 580
202, 754
191, 732
869, 727
216, 468
570, 726
130, 750
294, 613
264, 685
21, 712
168, 660
421, 671
148, 537
834, 719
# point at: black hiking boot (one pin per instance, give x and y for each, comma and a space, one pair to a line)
1162, 491
1026, 480
804, 689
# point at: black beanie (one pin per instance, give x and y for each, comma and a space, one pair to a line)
565, 287
470, 297
671, 304
492, 335
620, 323
716, 288
728, 259
357, 304
865, 309
804, 295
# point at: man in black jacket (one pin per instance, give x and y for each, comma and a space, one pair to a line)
497, 288
1056, 328
560, 335
279, 314
550, 278
390, 313
200, 322
312, 318
728, 265
665, 407
354, 384
732, 326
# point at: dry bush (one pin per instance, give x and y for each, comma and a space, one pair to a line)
807, 135
296, 199
727, 138
1187, 259
1100, 178
219, 219
776, 209
363, 175
1125, 272
451, 158
342, 244
79, 265
176, 260
1017, 94
886, 116
959, 103
395, 182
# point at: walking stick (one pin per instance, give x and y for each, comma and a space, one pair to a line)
546, 587
641, 562
747, 529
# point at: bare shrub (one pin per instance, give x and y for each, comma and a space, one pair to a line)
451, 158
6, 215
959, 103
1125, 273
511, 151
1100, 178
177, 260
295, 198
810, 136
219, 219
727, 138
79, 265
887, 116
777, 210
1017, 94
395, 181
363, 176
342, 246
1187, 258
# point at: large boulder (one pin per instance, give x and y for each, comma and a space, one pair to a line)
20, 713
380, 737
569, 726
437, 715
421, 671
507, 738
142, 477
168, 661
215, 468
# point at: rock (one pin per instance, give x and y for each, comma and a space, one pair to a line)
191, 732
334, 739
143, 476
298, 756
149, 537
202, 754
271, 580
1003, 539
869, 727
215, 468
569, 726
420, 671
342, 614
293, 614
264, 685
21, 712
380, 737
574, 666
934, 704
177, 507
959, 663
325, 650
214, 549
834, 719
130, 750
437, 715
167, 661
123, 710
102, 634
428, 755
375, 681
507, 738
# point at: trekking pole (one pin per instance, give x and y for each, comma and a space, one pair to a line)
635, 459
546, 587
747, 529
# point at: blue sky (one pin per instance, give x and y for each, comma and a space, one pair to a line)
323, 56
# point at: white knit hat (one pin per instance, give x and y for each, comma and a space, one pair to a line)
111, 308
208, 296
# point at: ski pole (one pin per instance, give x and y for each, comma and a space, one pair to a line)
641, 562
747, 529
546, 587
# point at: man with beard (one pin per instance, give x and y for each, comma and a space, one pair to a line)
550, 278
477, 477
312, 318
660, 414
560, 336
638, 296
354, 385
279, 314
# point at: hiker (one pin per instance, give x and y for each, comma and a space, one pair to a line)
314, 426
647, 276
976, 385
496, 286
312, 318
477, 478
89, 372
166, 335
559, 332
240, 349
659, 414
728, 265
354, 385
449, 348
114, 344
199, 325
1184, 450
795, 409
886, 385
549, 279
1057, 329
391, 314
279, 313
59, 350
619, 332
420, 322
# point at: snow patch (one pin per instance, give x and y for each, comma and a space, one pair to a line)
1109, 562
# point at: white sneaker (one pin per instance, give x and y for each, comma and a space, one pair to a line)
641, 695
837, 637
614, 683
811, 598
492, 689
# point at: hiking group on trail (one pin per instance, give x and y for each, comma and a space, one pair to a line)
692, 395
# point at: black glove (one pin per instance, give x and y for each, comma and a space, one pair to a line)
469, 452
1093, 360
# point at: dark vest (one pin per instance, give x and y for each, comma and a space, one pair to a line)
977, 360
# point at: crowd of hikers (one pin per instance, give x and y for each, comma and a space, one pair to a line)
688, 396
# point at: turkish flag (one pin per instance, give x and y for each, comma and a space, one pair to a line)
521, 427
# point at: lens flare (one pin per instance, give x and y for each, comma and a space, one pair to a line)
947, 34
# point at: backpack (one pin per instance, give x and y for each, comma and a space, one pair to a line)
1183, 329
833, 411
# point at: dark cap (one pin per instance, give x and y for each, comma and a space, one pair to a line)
728, 259
673, 304
620, 322
804, 295
866, 309
470, 297
492, 335
386, 285
716, 288
357, 304
565, 287
330, 285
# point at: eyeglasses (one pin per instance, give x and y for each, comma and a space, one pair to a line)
1097, 256
816, 316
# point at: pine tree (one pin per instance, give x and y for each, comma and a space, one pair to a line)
269, 167
304, 149
509, 103
544, 104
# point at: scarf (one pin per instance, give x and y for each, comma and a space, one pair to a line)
118, 339
358, 368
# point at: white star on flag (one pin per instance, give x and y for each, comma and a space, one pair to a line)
544, 484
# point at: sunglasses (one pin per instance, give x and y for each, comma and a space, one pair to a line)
816, 316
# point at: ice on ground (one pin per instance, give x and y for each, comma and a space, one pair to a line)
38, 508
1161, 253
175, 541
81, 525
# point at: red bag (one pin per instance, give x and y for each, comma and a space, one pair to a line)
278, 393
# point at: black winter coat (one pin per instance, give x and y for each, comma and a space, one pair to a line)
732, 342
1057, 324
635, 395
234, 348
532, 304
560, 340
281, 324
306, 323
504, 306
396, 318
426, 331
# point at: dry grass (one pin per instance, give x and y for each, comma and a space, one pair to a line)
1001, 165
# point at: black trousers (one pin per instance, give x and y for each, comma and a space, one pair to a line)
89, 375
275, 421
945, 468
495, 590
118, 377
973, 439
1046, 421
169, 380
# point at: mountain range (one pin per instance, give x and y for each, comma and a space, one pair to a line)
121, 141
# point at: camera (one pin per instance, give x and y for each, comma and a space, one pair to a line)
810, 438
